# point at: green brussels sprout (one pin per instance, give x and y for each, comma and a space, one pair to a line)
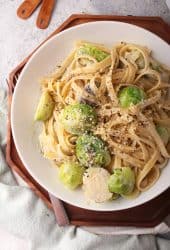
71, 174
78, 118
45, 107
93, 51
91, 151
163, 132
122, 181
131, 95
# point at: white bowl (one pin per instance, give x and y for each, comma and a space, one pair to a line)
27, 92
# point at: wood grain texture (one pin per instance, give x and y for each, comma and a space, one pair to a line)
45, 14
26, 9
146, 215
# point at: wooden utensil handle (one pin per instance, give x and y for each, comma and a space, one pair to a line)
27, 8
45, 13
59, 210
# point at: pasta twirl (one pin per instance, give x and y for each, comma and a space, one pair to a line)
127, 126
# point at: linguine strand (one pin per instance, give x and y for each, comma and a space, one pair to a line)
130, 134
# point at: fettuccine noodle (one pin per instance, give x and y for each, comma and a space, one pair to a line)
130, 134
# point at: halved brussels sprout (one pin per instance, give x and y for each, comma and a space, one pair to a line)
78, 118
163, 132
45, 107
122, 181
71, 174
131, 95
91, 151
87, 49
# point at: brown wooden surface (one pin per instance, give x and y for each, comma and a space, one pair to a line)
45, 13
27, 7
148, 214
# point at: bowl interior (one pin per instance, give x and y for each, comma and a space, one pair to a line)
27, 93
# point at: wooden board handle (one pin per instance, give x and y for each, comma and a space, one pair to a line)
27, 8
59, 210
45, 13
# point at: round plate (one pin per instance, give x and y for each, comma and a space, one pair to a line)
27, 92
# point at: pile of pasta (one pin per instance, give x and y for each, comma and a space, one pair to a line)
130, 133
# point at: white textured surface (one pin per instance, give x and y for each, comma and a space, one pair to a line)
168, 3
10, 242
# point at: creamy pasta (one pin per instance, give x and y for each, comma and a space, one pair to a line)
136, 134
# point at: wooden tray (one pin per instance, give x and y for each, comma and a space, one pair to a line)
146, 215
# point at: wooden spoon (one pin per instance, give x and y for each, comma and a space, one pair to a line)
27, 8
45, 13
